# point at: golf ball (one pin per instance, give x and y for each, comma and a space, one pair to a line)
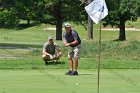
77, 84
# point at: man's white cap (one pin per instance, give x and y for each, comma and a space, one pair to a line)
67, 25
50, 37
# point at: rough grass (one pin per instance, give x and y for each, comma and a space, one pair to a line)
22, 49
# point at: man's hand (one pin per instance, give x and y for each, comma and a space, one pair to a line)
59, 53
67, 44
51, 57
70, 44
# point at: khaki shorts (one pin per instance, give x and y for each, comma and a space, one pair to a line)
54, 56
74, 51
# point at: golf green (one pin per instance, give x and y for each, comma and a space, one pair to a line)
54, 81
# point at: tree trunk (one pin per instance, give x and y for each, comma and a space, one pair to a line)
28, 21
59, 22
59, 29
90, 25
90, 28
122, 29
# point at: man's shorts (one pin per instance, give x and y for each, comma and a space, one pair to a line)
54, 56
74, 51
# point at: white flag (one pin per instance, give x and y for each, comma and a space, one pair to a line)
97, 10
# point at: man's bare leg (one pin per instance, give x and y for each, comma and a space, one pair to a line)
75, 63
70, 64
45, 58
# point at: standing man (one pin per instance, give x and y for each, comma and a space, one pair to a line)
73, 42
51, 51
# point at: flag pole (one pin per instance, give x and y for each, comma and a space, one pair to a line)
99, 53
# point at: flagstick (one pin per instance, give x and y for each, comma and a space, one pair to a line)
99, 48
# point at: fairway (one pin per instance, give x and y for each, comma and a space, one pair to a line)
54, 81
97, 42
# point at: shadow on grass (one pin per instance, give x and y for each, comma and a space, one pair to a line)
119, 40
16, 46
55, 63
85, 74
20, 26
24, 26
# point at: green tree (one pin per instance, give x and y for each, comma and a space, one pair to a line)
59, 11
29, 10
119, 12
139, 9
11, 11
7, 14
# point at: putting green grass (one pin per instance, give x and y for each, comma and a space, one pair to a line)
54, 81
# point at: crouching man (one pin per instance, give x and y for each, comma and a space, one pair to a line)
51, 51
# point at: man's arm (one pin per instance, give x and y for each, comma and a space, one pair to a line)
73, 43
44, 49
65, 43
45, 53
58, 48
70, 44
59, 51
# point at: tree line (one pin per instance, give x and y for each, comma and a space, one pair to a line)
58, 11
